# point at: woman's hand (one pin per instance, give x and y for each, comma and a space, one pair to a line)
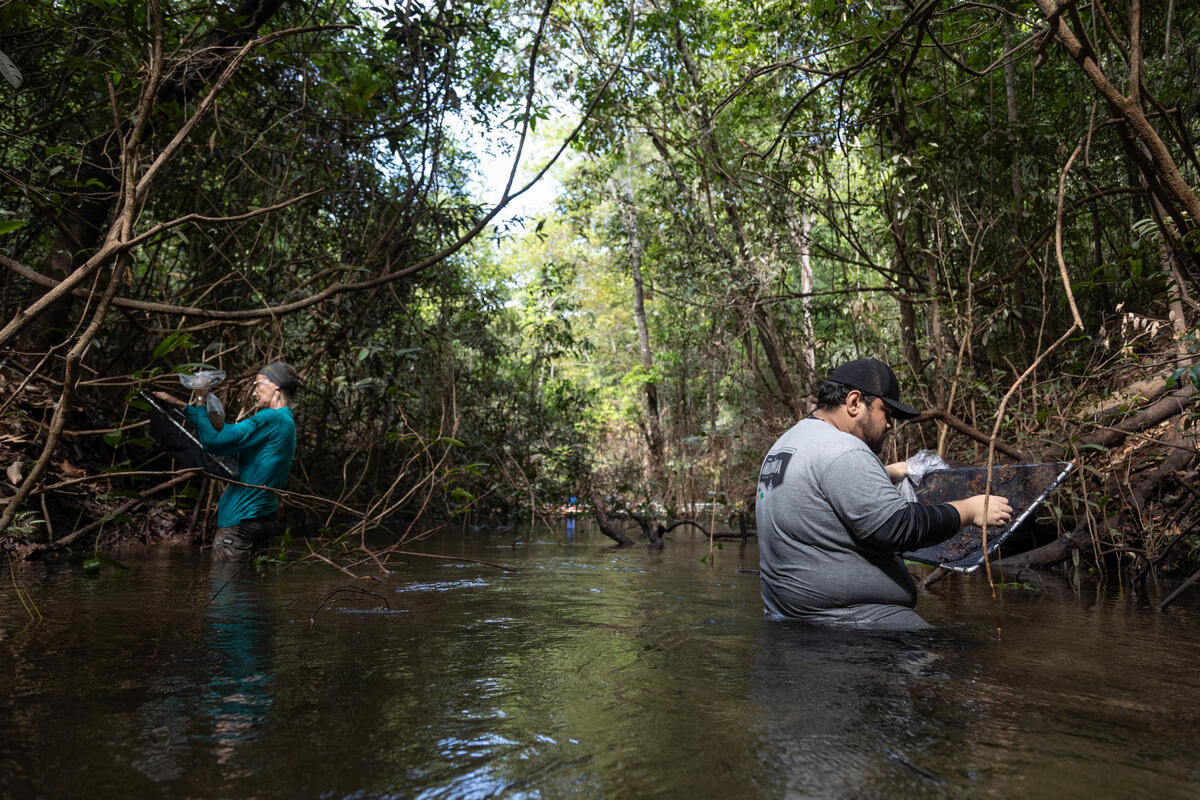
169, 399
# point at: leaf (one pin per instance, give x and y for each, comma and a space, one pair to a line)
176, 340
92, 565
164, 347
10, 225
112, 438
10, 71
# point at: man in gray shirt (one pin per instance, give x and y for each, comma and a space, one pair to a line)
831, 522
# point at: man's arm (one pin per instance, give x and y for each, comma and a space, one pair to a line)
914, 526
920, 525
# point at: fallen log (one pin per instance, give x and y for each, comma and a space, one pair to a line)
606, 526
1108, 436
26, 550
743, 534
1080, 538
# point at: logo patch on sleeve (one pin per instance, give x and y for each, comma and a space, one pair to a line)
774, 468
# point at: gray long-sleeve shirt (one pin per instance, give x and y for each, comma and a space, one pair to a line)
831, 526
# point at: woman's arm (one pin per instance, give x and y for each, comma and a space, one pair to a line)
226, 441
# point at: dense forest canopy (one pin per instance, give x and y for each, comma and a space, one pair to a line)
997, 199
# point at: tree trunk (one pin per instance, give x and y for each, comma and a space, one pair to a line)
654, 436
81, 225
1014, 167
801, 231
1176, 194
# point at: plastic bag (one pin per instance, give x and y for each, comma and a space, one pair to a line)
216, 411
204, 379
924, 462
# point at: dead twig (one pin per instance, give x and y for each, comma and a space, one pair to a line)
349, 590
1173, 596
25, 551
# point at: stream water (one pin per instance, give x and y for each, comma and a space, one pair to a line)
587, 672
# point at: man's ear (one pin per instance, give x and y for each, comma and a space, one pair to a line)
854, 403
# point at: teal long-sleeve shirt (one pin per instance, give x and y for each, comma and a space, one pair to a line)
264, 445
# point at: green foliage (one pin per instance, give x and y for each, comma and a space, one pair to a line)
1188, 372
723, 131
175, 340
278, 557
1020, 586
23, 526
782, 220
426, 376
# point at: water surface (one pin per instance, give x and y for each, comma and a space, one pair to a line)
588, 672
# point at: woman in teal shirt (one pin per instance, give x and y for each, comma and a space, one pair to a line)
264, 445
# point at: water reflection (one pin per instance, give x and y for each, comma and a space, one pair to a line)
837, 711
224, 692
238, 697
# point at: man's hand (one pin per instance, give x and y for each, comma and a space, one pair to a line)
897, 471
971, 511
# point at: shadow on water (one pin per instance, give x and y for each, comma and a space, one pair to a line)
591, 671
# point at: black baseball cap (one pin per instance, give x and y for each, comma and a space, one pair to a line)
872, 376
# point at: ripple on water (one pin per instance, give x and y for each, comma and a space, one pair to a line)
371, 611
587, 673
443, 586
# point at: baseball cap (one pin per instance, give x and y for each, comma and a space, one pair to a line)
874, 377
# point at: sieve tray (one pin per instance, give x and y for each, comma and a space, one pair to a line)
1025, 486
